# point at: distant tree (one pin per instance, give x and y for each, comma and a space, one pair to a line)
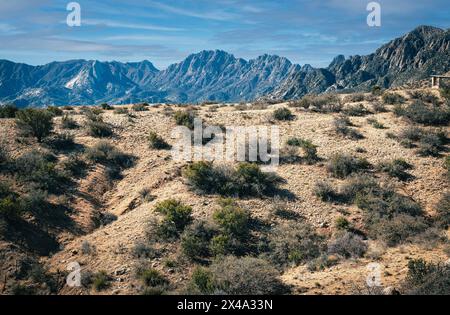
36, 122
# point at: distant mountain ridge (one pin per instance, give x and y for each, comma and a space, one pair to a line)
219, 76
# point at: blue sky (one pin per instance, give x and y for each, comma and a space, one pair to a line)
164, 32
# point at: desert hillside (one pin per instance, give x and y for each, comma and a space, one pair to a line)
363, 178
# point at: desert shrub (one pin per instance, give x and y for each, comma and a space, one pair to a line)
157, 142
74, 165
398, 229
21, 289
376, 90
378, 107
342, 223
424, 96
121, 111
106, 106
283, 114
68, 122
143, 250
445, 93
4, 156
8, 111
184, 118
447, 166
309, 149
98, 128
152, 278
176, 212
426, 278
40, 169
396, 168
101, 280
11, 206
61, 141
294, 244
202, 282
342, 127
325, 191
246, 180
232, 219
87, 248
139, 108
104, 152
431, 143
341, 165
245, 276
195, 240
393, 98
375, 123
327, 103
348, 245
431, 115
145, 195
357, 186
221, 245
55, 111
322, 262
356, 110
35, 122
411, 133
353, 98
443, 211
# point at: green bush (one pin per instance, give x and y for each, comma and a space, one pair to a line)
328, 103
8, 111
443, 211
398, 229
139, 108
294, 244
39, 169
432, 115
426, 278
106, 106
397, 168
356, 110
35, 122
393, 98
101, 280
61, 141
221, 245
202, 282
341, 165
184, 118
157, 142
104, 152
342, 223
55, 111
246, 180
431, 143
342, 127
67, 122
424, 96
11, 206
309, 149
445, 93
195, 241
98, 129
174, 211
153, 278
325, 191
283, 114
232, 219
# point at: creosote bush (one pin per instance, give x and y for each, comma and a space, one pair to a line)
232, 219
104, 152
175, 212
245, 180
96, 127
67, 122
327, 103
393, 98
443, 211
35, 122
157, 142
283, 114
101, 280
238, 276
8, 111
426, 278
431, 115
396, 168
342, 127
348, 245
184, 118
292, 244
341, 165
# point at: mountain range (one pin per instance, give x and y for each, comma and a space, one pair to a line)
219, 76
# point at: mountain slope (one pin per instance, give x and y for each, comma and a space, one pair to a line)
412, 57
219, 76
